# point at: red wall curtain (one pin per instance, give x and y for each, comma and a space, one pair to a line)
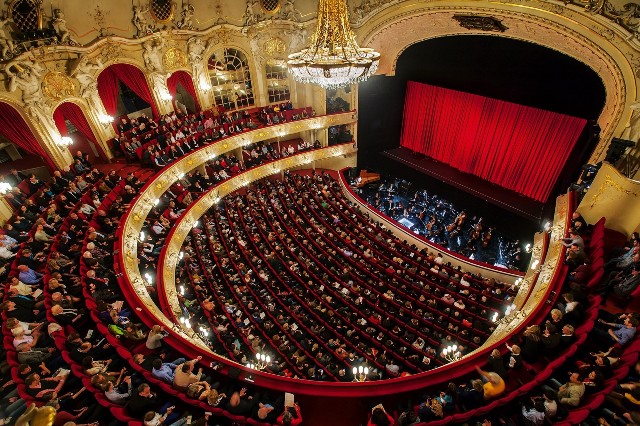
185, 80
132, 77
108, 91
14, 128
74, 114
517, 147
58, 118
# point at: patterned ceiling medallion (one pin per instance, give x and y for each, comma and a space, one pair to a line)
162, 10
57, 85
174, 58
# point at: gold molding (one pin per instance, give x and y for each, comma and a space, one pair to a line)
57, 85
174, 58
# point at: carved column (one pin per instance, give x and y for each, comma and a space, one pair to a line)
45, 131
161, 96
102, 129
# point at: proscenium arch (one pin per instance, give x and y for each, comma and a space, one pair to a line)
603, 49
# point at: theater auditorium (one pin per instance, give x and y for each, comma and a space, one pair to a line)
319, 212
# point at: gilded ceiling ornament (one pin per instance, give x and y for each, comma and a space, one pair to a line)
221, 36
57, 85
111, 52
174, 58
274, 47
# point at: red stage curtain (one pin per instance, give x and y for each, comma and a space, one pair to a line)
132, 77
185, 80
517, 147
14, 128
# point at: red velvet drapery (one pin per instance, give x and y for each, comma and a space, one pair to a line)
15, 129
184, 78
74, 114
517, 147
132, 77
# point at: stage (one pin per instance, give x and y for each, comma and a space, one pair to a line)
511, 201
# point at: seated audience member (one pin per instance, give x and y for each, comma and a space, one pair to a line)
241, 404
379, 417
290, 416
183, 374
154, 339
620, 334
571, 392
165, 371
494, 384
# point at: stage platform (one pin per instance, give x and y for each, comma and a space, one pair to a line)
501, 197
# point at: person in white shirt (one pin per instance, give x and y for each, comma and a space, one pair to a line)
155, 419
5, 253
534, 415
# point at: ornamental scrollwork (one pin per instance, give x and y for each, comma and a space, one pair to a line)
56, 85
628, 17
174, 58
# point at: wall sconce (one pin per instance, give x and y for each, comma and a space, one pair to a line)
166, 96
65, 141
105, 119
204, 86
5, 187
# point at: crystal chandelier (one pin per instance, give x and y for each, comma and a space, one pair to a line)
333, 58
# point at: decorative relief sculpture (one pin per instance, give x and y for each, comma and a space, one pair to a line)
480, 23
289, 12
59, 25
6, 44
143, 27
84, 73
186, 21
250, 16
27, 78
152, 54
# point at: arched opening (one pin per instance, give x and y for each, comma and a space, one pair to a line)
231, 78
124, 91
19, 147
71, 122
496, 67
181, 88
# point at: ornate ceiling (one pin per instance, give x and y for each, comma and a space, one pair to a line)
57, 33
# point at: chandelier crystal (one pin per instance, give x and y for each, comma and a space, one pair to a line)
333, 58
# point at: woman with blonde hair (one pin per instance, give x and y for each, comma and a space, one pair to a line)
531, 343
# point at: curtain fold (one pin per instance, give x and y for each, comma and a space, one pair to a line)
184, 78
74, 114
131, 77
514, 146
108, 91
15, 129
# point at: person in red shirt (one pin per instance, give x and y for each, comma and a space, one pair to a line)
379, 417
290, 417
